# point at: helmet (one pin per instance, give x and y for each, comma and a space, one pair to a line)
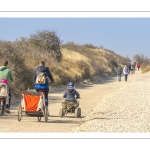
4, 81
70, 85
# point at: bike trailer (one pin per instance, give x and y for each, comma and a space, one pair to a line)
32, 101
33, 104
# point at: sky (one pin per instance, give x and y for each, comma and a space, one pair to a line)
124, 36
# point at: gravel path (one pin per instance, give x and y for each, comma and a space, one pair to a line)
125, 110
106, 106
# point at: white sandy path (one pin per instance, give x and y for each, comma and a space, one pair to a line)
91, 95
125, 110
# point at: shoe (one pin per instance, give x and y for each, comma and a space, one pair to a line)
7, 111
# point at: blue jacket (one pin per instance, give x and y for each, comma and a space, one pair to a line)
47, 74
70, 94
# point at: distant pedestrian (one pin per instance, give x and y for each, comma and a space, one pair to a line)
129, 67
134, 65
131, 70
119, 72
138, 66
126, 72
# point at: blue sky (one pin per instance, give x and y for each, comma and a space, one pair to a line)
125, 36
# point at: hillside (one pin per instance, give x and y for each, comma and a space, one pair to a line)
67, 62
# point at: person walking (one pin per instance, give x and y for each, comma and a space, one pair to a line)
126, 72
131, 70
119, 72
138, 66
134, 65
43, 86
6, 74
129, 67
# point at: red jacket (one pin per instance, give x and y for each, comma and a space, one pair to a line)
138, 65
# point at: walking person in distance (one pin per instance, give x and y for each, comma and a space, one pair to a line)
119, 72
126, 72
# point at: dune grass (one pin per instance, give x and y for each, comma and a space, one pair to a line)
67, 62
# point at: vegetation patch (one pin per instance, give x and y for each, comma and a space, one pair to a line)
67, 62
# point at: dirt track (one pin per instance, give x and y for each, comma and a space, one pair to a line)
90, 93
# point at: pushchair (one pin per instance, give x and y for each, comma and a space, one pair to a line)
70, 107
33, 105
4, 98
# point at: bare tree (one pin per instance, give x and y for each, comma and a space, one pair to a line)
140, 58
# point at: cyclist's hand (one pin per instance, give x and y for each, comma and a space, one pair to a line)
77, 97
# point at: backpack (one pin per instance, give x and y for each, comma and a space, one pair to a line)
126, 70
41, 79
3, 90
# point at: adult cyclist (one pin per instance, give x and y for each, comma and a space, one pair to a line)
43, 87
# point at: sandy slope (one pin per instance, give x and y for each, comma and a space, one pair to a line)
91, 96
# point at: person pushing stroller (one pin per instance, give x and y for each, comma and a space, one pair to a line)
71, 94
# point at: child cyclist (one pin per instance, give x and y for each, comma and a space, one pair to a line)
71, 94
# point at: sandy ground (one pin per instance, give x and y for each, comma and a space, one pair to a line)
92, 94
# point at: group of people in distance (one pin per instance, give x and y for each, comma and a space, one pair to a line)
128, 69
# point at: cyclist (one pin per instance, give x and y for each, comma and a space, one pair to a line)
43, 87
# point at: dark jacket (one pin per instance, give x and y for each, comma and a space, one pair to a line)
70, 94
119, 70
129, 66
46, 72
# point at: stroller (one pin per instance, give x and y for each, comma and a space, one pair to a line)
4, 96
33, 105
70, 107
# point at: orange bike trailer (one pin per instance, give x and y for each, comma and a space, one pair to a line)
33, 104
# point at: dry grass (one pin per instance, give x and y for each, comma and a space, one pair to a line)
75, 63
145, 69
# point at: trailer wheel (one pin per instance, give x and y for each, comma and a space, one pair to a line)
39, 118
46, 114
19, 113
